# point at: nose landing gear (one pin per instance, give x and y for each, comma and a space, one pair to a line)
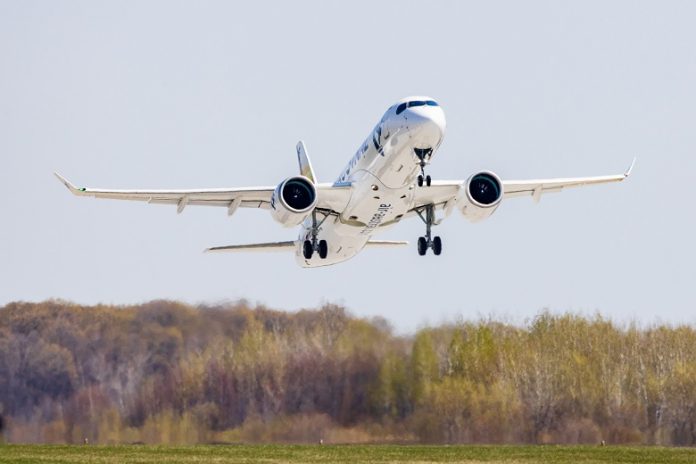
421, 179
423, 155
312, 244
428, 241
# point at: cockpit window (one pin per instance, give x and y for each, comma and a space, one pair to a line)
400, 109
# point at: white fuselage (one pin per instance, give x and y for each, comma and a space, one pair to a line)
382, 174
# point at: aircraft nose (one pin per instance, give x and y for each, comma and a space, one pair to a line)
428, 122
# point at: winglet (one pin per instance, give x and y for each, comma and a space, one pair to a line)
630, 168
69, 184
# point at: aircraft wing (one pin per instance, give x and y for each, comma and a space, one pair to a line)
330, 197
535, 188
444, 193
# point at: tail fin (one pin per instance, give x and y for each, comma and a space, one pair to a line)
305, 164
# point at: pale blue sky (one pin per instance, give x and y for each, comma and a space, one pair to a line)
216, 94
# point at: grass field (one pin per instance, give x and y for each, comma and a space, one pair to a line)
342, 453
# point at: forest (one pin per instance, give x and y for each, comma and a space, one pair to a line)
173, 373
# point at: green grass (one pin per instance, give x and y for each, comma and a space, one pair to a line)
342, 453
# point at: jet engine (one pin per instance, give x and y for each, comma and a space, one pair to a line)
481, 196
293, 200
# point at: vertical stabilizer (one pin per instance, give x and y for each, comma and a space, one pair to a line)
305, 164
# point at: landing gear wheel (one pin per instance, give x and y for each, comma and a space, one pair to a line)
307, 249
311, 244
437, 246
422, 246
427, 180
323, 249
429, 219
420, 180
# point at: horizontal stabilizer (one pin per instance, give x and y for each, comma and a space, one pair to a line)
270, 246
290, 246
386, 243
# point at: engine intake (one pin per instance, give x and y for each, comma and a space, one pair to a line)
481, 196
293, 200
484, 188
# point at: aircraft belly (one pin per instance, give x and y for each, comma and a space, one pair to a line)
373, 203
344, 241
368, 211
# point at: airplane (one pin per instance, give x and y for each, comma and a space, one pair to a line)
382, 184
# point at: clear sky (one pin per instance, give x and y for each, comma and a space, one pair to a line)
216, 94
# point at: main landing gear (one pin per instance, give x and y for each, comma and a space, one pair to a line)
312, 245
428, 241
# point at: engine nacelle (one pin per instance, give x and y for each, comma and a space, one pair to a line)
481, 196
293, 200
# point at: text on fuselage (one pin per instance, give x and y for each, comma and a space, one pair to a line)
377, 218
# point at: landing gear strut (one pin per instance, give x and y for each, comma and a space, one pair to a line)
312, 245
428, 241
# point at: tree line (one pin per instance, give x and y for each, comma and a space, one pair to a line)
168, 372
